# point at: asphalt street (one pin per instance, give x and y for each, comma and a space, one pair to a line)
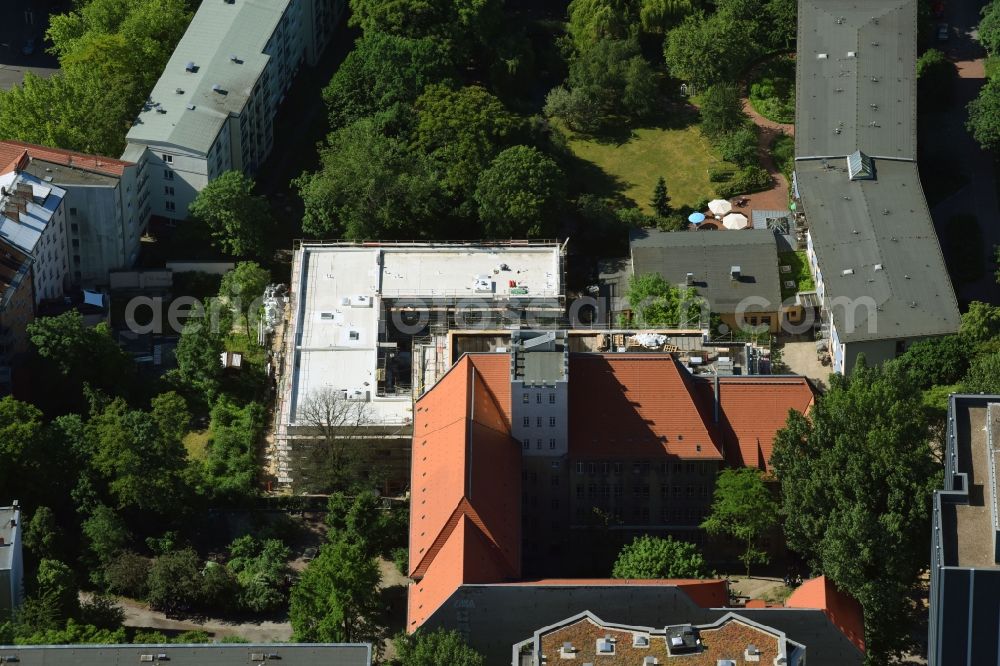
20, 21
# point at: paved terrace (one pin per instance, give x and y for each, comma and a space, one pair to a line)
978, 427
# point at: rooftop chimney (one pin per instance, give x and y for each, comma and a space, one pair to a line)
11, 211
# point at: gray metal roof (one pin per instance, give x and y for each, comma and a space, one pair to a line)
710, 255
495, 617
851, 231
219, 654
218, 31
863, 101
9, 534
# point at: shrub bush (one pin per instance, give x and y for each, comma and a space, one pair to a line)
720, 174
740, 146
747, 181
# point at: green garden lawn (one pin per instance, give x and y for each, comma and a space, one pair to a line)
682, 156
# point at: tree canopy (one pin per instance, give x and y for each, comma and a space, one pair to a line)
520, 194
857, 477
383, 71
433, 648
743, 509
657, 302
236, 217
656, 557
370, 185
984, 115
102, 45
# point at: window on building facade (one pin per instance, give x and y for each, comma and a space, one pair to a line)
552, 422
538, 398
554, 480
579, 490
579, 468
527, 443
169, 205
524, 398
168, 190
538, 421
552, 398
527, 421
169, 159
168, 174
72, 211
538, 445
552, 443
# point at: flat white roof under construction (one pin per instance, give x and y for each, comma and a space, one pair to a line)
338, 291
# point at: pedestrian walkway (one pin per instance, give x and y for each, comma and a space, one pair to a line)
775, 198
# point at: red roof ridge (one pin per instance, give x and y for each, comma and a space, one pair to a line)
449, 527
843, 611
71, 158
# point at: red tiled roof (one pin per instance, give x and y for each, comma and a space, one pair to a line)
843, 611
11, 150
465, 505
752, 410
636, 405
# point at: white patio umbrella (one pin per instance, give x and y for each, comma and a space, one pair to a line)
719, 206
735, 221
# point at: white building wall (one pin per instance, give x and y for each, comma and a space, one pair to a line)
52, 263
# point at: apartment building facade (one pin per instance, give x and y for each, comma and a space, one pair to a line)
214, 106
11, 561
101, 206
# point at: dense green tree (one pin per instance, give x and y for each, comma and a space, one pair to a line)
740, 145
580, 108
984, 116
520, 194
743, 509
127, 574
231, 458
980, 323
42, 533
141, 464
433, 648
936, 361
56, 581
780, 28
936, 76
656, 302
175, 581
614, 74
24, 443
590, 21
220, 591
237, 218
80, 352
102, 45
106, 533
984, 374
659, 557
336, 598
857, 477
243, 289
383, 71
261, 568
73, 633
465, 23
721, 111
706, 51
371, 186
660, 203
658, 16
363, 519
462, 130
989, 28
102, 612
198, 354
